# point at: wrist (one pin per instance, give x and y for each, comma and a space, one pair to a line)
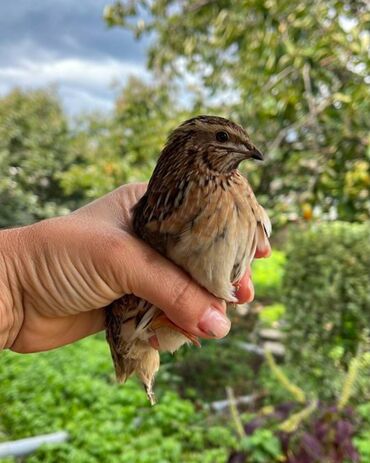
11, 311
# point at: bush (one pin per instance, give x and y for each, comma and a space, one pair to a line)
306, 429
200, 373
268, 275
73, 389
272, 314
34, 152
326, 291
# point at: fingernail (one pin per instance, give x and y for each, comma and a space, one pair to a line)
214, 323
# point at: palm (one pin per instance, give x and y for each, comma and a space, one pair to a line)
59, 316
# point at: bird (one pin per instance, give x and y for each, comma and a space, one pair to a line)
200, 212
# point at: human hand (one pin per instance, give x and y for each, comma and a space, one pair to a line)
55, 274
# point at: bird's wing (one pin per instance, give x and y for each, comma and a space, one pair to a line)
211, 231
118, 313
157, 206
264, 220
263, 228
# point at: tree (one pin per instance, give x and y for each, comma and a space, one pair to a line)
295, 73
49, 166
122, 147
33, 153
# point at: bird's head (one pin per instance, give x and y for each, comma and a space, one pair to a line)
216, 143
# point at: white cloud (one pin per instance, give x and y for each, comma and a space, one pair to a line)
78, 100
83, 84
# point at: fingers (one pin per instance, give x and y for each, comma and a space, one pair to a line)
264, 251
245, 288
159, 281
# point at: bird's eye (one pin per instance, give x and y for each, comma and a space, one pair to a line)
222, 136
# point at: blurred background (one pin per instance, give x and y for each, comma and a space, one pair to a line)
88, 93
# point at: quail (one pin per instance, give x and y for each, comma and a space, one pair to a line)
201, 213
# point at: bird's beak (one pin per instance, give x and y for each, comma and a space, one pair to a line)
249, 151
256, 154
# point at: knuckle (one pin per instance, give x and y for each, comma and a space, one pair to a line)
114, 244
183, 293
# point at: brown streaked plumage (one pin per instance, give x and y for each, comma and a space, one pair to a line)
201, 213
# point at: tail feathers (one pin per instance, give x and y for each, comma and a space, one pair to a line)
134, 357
144, 365
127, 321
123, 367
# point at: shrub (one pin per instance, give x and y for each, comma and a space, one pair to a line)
200, 373
268, 275
326, 291
271, 314
327, 436
308, 429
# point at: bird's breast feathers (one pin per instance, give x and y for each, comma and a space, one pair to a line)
215, 232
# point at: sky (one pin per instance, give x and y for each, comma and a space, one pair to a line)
65, 43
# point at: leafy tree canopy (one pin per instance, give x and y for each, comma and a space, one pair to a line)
49, 165
122, 147
33, 152
295, 73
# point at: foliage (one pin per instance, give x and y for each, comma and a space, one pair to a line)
200, 373
327, 297
321, 431
268, 276
261, 445
73, 389
328, 437
49, 166
271, 314
33, 152
296, 392
123, 147
296, 77
362, 439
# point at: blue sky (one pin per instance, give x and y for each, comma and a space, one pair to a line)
66, 43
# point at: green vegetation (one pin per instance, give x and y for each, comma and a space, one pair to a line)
34, 150
268, 275
73, 389
204, 374
305, 429
272, 314
296, 76
50, 165
327, 297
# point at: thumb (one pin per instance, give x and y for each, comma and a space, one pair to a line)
154, 278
